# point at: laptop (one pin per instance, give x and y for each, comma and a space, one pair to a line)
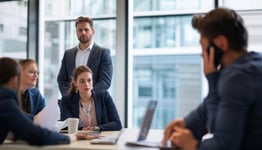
110, 139
144, 130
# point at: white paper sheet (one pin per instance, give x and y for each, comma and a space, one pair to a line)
49, 116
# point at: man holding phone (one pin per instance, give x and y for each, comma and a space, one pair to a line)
230, 117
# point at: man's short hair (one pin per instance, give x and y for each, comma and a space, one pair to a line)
85, 19
223, 21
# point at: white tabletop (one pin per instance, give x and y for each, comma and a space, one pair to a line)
126, 135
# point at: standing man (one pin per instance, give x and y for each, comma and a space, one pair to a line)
230, 117
86, 53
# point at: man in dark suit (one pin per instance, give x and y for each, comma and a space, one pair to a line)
87, 53
230, 117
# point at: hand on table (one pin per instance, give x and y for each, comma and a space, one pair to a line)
183, 138
88, 128
82, 136
168, 131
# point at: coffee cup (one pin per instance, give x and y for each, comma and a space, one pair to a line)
72, 125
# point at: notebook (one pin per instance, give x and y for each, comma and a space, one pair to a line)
107, 140
144, 130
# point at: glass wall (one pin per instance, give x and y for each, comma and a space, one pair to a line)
167, 5
163, 32
64, 9
166, 62
13, 29
174, 78
242, 4
166, 55
60, 33
163, 70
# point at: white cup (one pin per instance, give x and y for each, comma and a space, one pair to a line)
72, 125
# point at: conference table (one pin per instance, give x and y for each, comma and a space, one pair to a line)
127, 134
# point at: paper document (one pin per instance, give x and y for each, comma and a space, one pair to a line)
49, 116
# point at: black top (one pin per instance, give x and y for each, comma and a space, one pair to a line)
26, 107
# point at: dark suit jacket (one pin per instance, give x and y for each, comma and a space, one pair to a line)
106, 113
13, 120
99, 62
37, 102
232, 110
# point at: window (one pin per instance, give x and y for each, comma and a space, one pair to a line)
60, 33
167, 5
22, 31
1, 28
242, 4
164, 32
163, 68
14, 16
173, 80
166, 62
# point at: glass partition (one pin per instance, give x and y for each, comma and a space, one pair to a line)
60, 33
173, 80
164, 32
167, 5
13, 29
71, 8
166, 62
242, 4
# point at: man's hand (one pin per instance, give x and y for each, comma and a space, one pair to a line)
170, 129
209, 61
80, 136
183, 138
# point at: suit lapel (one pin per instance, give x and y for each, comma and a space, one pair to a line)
98, 109
73, 59
75, 105
91, 56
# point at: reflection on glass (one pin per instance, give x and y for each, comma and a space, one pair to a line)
66, 8
253, 23
146, 5
61, 35
156, 32
242, 4
13, 29
174, 81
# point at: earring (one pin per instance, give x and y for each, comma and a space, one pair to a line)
76, 90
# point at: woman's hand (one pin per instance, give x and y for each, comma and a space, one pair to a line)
88, 128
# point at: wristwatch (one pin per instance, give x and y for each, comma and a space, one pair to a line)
96, 128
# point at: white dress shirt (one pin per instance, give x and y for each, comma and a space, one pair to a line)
83, 55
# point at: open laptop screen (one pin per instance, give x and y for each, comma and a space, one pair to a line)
147, 120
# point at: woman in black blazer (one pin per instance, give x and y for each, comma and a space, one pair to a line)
96, 110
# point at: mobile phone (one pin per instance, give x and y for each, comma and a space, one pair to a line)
218, 53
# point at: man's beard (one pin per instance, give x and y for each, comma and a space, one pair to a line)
83, 40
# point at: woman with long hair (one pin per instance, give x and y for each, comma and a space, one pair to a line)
32, 101
96, 110
12, 118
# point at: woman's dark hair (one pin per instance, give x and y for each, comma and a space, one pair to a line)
223, 21
9, 68
76, 73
